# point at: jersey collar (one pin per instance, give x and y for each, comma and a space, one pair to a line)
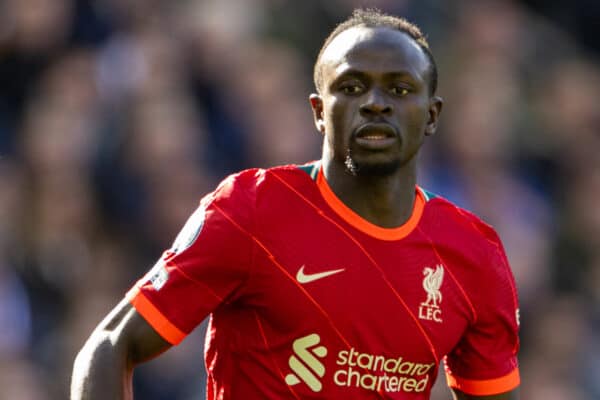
362, 224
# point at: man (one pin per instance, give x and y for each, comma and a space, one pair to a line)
338, 279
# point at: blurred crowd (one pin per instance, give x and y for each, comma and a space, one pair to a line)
116, 116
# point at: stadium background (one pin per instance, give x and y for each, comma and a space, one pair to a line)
117, 115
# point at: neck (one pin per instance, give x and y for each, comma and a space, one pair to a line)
386, 201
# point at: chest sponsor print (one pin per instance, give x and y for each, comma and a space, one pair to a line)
354, 369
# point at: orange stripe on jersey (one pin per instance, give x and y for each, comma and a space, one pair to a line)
375, 264
154, 317
485, 387
452, 276
271, 354
365, 226
287, 274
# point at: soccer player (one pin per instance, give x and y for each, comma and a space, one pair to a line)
337, 279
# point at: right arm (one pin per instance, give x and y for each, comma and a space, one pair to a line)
103, 368
198, 277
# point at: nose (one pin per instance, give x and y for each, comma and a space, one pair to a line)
375, 104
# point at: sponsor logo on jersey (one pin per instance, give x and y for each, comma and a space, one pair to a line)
190, 231
355, 369
305, 364
429, 310
303, 277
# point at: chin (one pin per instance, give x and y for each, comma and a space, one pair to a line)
381, 168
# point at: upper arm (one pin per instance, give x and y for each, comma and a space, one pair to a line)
512, 395
199, 272
103, 367
192, 278
484, 362
130, 334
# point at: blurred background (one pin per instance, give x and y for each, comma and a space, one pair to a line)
116, 116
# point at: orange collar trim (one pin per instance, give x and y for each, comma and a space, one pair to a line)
362, 224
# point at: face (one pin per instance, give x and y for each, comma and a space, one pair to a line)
374, 107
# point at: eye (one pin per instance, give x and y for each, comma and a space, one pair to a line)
352, 88
399, 91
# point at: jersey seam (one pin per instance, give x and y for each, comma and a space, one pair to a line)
472, 308
241, 229
271, 357
508, 276
373, 262
194, 280
497, 249
272, 258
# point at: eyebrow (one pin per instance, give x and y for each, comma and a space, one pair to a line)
350, 73
355, 73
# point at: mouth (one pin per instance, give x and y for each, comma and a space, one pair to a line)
376, 135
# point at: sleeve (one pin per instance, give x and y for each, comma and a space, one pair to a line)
485, 360
205, 267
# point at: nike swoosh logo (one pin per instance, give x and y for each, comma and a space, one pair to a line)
306, 278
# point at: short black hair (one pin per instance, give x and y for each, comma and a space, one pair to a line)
374, 18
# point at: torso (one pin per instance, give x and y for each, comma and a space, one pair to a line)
331, 311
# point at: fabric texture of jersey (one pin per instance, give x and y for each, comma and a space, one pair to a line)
310, 301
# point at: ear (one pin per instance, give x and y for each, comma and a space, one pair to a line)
316, 103
435, 108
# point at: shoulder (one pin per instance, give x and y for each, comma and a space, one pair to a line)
448, 216
474, 250
471, 242
251, 183
253, 195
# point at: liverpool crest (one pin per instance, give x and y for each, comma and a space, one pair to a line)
430, 309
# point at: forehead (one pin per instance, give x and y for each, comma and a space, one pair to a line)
377, 49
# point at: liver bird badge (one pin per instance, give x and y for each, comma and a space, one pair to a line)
432, 283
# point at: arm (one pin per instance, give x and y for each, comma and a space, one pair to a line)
512, 395
484, 364
103, 368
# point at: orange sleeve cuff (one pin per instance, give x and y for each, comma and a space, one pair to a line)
154, 317
485, 387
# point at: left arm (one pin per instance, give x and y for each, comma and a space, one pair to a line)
512, 395
484, 364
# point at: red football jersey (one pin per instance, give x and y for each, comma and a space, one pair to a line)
309, 300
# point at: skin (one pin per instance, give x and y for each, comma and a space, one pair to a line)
377, 76
375, 80
103, 369
374, 104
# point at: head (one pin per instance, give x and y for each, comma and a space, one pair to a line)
372, 18
376, 81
